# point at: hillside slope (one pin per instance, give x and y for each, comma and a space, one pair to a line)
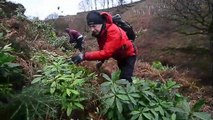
156, 39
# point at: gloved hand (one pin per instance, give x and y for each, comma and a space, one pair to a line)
78, 58
98, 65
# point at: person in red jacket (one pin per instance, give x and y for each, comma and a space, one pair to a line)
75, 37
113, 42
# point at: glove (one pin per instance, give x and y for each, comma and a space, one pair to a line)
78, 58
98, 65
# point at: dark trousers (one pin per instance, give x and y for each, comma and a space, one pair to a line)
127, 67
79, 43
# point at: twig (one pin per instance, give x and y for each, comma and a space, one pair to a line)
36, 37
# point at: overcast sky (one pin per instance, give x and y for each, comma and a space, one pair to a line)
42, 8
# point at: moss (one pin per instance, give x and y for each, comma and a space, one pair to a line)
189, 50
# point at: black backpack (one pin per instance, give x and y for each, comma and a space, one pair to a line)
124, 26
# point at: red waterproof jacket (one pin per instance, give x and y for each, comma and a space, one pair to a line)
113, 42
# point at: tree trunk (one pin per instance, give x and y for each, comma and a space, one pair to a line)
211, 50
211, 53
95, 4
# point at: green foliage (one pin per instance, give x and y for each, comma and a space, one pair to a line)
158, 65
59, 42
185, 112
145, 100
114, 96
1, 36
10, 73
5, 89
2, 13
20, 12
45, 30
44, 57
32, 103
66, 81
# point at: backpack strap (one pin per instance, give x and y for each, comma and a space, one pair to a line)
123, 46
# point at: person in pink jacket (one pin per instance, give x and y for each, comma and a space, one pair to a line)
75, 37
113, 42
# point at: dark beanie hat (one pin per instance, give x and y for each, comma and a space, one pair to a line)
94, 17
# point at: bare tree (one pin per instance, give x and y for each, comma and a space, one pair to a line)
112, 1
95, 2
121, 2
194, 14
52, 16
102, 3
86, 5
90, 4
82, 6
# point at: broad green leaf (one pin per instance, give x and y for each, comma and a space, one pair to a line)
122, 90
52, 90
78, 82
122, 81
115, 75
197, 106
149, 93
13, 65
175, 109
134, 117
135, 95
160, 109
110, 101
156, 116
106, 77
123, 97
69, 110
142, 103
119, 105
78, 75
148, 116
172, 84
5, 58
36, 80
1, 35
68, 92
107, 96
74, 92
133, 100
135, 112
53, 84
165, 104
110, 114
202, 115
140, 117
146, 109
186, 106
64, 78
165, 118
105, 84
173, 117
79, 105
